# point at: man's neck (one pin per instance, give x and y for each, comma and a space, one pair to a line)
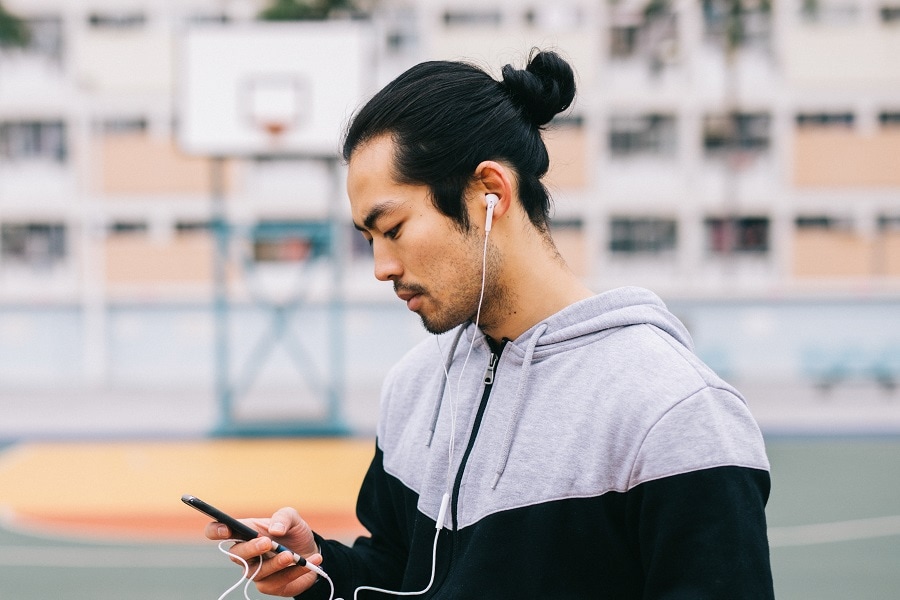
534, 293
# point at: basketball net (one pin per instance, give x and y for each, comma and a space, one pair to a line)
274, 104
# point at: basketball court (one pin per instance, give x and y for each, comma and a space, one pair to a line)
103, 519
97, 520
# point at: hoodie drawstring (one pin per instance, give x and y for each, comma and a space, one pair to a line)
519, 404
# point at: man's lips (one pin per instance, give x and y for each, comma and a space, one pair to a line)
411, 297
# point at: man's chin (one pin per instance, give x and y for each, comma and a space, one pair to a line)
436, 327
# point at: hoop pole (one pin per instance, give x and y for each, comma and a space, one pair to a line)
221, 305
337, 389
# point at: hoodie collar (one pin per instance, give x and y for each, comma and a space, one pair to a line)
616, 308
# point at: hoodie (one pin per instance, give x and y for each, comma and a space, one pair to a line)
594, 457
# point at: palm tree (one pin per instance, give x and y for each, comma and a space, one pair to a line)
303, 10
13, 30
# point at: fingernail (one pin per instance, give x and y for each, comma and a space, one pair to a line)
277, 528
221, 530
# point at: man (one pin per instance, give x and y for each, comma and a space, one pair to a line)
556, 443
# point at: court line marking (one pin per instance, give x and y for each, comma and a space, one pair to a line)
838, 531
81, 557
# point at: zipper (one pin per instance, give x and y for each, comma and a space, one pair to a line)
489, 373
479, 415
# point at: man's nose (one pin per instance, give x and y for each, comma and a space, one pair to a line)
387, 267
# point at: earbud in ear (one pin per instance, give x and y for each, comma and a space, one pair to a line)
491, 200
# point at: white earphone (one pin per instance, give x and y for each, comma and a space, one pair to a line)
491, 200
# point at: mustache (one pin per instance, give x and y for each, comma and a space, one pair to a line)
412, 288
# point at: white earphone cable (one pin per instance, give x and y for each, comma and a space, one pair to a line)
246, 578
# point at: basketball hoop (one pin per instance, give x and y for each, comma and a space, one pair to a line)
274, 104
274, 128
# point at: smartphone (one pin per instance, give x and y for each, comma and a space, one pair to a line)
243, 532
238, 530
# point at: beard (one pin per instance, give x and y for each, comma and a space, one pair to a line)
461, 303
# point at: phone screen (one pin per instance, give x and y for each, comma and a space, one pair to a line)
238, 530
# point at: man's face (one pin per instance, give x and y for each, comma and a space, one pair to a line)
435, 268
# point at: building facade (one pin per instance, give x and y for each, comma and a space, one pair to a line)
706, 156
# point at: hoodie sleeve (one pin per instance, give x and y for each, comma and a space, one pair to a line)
377, 560
697, 502
703, 534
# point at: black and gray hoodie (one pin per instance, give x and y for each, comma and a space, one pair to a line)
595, 457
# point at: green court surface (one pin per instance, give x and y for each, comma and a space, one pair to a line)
834, 517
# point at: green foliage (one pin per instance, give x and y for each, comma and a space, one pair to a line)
13, 30
657, 8
304, 10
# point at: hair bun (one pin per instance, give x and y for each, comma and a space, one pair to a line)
543, 89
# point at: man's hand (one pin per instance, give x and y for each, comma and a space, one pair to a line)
278, 576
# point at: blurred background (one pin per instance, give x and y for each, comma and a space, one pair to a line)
177, 260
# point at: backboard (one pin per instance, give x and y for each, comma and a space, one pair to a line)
264, 88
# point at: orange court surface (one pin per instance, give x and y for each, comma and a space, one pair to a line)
103, 520
131, 490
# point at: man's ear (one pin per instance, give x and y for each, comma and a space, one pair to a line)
492, 177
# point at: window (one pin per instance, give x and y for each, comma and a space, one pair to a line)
460, 17
193, 226
650, 33
36, 245
571, 121
401, 31
554, 17
832, 12
623, 41
290, 241
889, 118
889, 223
824, 119
33, 140
821, 222
738, 23
359, 245
650, 134
117, 20
890, 13
121, 125
737, 235
736, 132
127, 227
45, 37
644, 235
207, 18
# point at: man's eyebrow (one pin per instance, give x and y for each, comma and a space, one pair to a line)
376, 213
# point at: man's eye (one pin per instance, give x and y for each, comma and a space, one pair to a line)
392, 232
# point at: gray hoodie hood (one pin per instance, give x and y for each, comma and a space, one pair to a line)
609, 387
579, 323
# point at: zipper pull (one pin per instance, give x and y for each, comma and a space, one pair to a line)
489, 373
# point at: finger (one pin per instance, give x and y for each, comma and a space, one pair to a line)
252, 549
285, 562
283, 520
217, 531
287, 579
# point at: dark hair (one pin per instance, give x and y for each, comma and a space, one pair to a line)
447, 117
